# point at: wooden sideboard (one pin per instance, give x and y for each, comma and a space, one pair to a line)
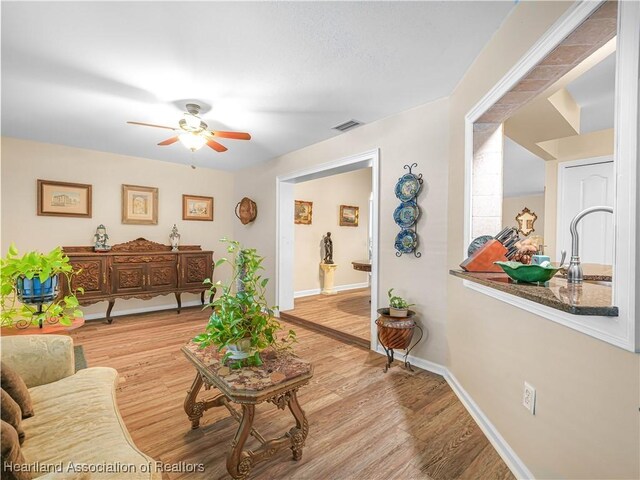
139, 269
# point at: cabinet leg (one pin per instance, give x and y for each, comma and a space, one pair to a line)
179, 300
202, 297
109, 308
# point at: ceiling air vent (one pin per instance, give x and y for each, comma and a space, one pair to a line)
348, 125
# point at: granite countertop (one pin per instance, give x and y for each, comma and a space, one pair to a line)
585, 299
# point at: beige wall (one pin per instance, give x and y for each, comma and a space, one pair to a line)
23, 162
586, 424
512, 206
417, 135
349, 243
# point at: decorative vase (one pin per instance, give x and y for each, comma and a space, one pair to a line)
174, 238
240, 350
33, 291
398, 312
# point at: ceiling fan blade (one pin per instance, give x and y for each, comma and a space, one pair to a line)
218, 147
151, 125
234, 135
168, 141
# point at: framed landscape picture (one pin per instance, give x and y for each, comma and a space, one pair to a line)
195, 207
303, 212
139, 205
63, 199
349, 215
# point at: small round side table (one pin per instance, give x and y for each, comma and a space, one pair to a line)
396, 333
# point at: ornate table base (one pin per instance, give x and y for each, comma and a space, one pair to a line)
240, 461
276, 380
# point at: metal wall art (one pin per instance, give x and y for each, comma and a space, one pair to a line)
406, 214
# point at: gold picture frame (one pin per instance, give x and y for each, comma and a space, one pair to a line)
303, 212
196, 207
349, 215
139, 205
64, 199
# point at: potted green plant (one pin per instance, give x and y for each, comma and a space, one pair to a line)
398, 306
242, 321
29, 282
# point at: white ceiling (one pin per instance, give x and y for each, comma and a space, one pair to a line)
73, 73
523, 172
594, 91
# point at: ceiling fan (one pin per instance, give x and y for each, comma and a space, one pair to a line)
194, 133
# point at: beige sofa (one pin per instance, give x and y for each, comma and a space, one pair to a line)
76, 431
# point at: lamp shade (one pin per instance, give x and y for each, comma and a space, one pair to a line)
192, 141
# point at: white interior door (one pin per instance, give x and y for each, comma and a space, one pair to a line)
583, 184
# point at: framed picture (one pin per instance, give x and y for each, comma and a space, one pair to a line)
62, 199
349, 215
197, 208
303, 212
139, 205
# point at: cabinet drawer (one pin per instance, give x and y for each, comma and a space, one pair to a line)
145, 258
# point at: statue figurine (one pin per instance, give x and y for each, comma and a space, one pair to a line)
100, 239
174, 238
328, 249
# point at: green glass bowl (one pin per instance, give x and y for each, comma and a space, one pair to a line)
528, 273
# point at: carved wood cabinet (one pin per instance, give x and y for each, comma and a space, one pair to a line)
139, 269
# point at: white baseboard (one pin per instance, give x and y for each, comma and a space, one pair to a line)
515, 464
420, 363
508, 455
306, 293
337, 288
132, 311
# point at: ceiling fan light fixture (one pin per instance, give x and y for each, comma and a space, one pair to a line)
192, 121
192, 141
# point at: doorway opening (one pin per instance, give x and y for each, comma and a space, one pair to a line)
336, 298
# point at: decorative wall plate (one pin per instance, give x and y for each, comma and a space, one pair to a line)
406, 214
407, 187
406, 241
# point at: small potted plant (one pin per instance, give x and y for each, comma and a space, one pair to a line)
242, 321
29, 282
398, 306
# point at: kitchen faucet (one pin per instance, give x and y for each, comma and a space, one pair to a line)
574, 274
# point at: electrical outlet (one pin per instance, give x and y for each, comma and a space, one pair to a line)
529, 398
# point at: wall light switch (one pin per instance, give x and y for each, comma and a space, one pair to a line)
529, 398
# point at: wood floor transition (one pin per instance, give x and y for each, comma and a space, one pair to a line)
364, 424
345, 315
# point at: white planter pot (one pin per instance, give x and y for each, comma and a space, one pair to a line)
241, 350
398, 312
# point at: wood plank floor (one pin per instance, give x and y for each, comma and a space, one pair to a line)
347, 312
364, 424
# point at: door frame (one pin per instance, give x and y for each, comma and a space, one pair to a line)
285, 232
562, 167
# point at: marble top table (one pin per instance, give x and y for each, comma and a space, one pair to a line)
276, 381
